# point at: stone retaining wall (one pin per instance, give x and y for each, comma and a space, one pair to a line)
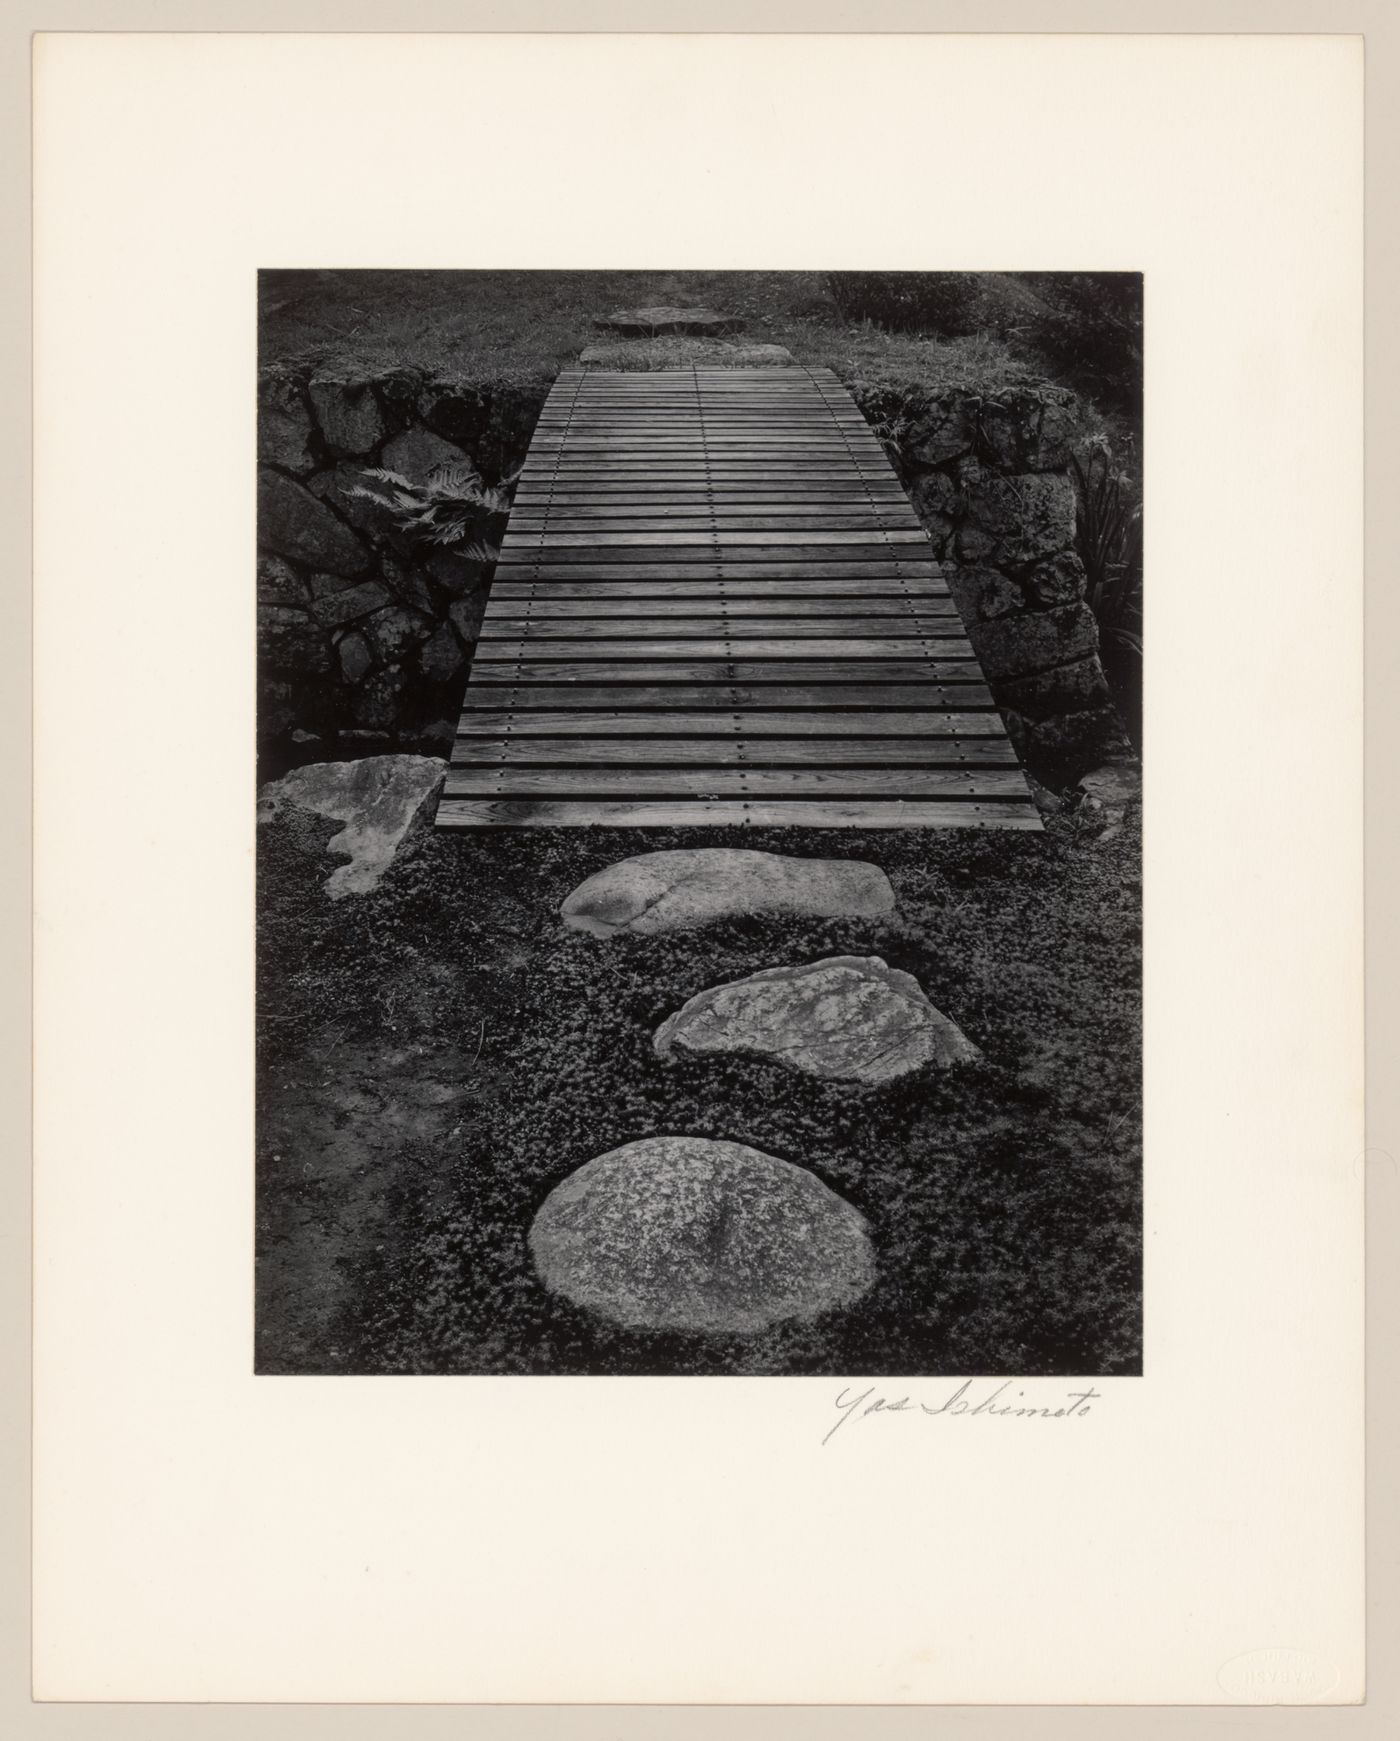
363, 635
989, 479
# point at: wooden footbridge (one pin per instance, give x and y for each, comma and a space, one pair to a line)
714, 604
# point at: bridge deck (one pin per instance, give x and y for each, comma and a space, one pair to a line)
714, 604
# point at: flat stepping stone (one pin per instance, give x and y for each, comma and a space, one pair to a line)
849, 1018
663, 318
679, 351
682, 1233
675, 891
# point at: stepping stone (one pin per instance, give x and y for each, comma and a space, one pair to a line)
677, 351
849, 1018
675, 891
382, 801
681, 1233
664, 318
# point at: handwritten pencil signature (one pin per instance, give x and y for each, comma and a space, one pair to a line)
866, 1402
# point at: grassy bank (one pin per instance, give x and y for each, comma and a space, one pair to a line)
518, 329
436, 1056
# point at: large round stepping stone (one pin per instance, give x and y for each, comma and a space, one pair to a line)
849, 1018
681, 1233
665, 318
673, 891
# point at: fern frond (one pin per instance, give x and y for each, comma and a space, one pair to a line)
450, 477
369, 495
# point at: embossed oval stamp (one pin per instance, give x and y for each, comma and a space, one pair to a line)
1281, 1676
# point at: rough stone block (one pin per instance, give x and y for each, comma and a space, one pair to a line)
345, 603
1071, 688
284, 427
279, 583
440, 658
942, 432
982, 594
348, 413
456, 575
376, 702
408, 583
335, 487
294, 524
356, 656
1034, 641
288, 640
415, 453
1029, 429
1061, 749
1059, 580
454, 410
1024, 518
395, 631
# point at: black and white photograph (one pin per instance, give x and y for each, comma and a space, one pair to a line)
700, 766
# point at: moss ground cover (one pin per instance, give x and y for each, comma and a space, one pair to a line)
436, 1056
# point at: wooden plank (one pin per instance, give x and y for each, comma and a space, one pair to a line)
772, 414
554, 541
917, 668
708, 522
834, 481
781, 430
647, 631
723, 647
610, 498
758, 516
791, 813
736, 782
742, 722
697, 475
762, 397
704, 526
762, 752
849, 586
693, 605
708, 456
671, 422
738, 449
703, 511
652, 614
884, 568
670, 552
679, 457
804, 482
701, 439
867, 697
